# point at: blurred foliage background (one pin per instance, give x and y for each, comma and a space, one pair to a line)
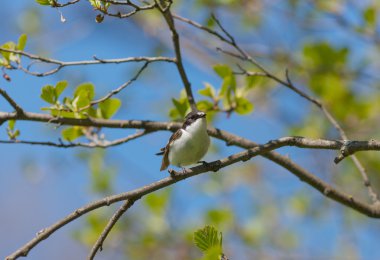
331, 49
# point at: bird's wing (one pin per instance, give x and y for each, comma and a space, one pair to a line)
165, 151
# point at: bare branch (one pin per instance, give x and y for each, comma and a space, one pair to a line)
10, 100
244, 56
96, 60
177, 49
99, 144
56, 4
120, 88
265, 150
99, 243
136, 8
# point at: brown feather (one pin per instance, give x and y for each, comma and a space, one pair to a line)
165, 160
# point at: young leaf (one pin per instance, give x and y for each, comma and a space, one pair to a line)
222, 70
44, 2
109, 107
21, 42
181, 105
81, 100
8, 56
243, 106
208, 91
72, 133
11, 124
369, 16
88, 88
207, 238
205, 105
60, 87
48, 94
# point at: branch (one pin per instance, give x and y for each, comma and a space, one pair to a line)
136, 8
177, 49
99, 243
61, 64
13, 103
56, 4
244, 56
99, 144
265, 150
120, 88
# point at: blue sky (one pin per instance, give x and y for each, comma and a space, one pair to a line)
39, 185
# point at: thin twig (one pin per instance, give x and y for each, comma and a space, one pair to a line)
120, 88
60, 144
99, 242
61, 64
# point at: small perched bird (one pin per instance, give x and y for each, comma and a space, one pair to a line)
188, 144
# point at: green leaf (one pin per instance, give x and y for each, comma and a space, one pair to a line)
243, 106
205, 105
208, 238
208, 91
60, 87
48, 94
72, 133
252, 81
99, 4
21, 42
223, 70
8, 56
87, 88
109, 107
11, 124
44, 2
81, 100
157, 202
181, 105
369, 16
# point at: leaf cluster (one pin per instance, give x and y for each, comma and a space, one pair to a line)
80, 105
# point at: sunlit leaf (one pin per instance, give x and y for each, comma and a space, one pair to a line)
48, 94
205, 105
87, 88
21, 42
11, 124
44, 2
222, 70
60, 87
243, 106
72, 133
370, 16
109, 107
181, 105
208, 91
208, 238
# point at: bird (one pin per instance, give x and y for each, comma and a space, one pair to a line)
188, 144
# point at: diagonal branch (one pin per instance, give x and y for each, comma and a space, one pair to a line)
99, 243
244, 56
265, 150
10, 100
177, 49
120, 88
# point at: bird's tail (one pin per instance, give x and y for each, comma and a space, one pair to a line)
162, 151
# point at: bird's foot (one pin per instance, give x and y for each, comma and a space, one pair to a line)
172, 173
204, 163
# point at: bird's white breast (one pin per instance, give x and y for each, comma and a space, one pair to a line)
192, 145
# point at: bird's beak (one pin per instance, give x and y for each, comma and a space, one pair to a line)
203, 115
